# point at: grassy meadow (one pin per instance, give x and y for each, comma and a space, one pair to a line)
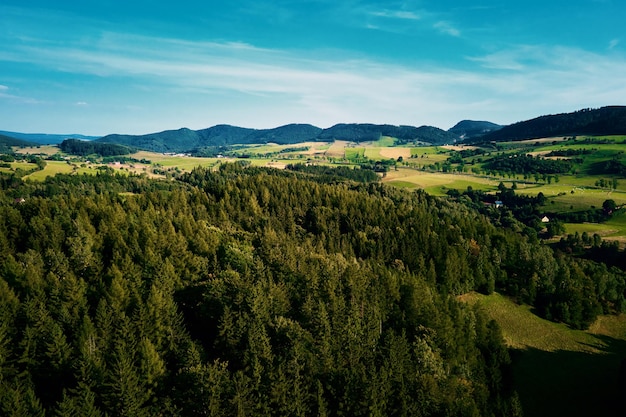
559, 371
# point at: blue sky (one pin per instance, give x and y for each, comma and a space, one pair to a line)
109, 66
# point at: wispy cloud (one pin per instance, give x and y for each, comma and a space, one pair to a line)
538, 74
397, 14
5, 93
447, 28
514, 83
614, 43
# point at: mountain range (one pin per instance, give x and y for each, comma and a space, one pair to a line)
44, 138
610, 120
186, 140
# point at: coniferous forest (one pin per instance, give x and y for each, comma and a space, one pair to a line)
249, 291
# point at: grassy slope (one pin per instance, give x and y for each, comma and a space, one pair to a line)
559, 371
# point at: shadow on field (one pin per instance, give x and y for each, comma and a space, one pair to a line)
568, 383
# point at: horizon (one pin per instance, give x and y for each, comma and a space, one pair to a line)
140, 68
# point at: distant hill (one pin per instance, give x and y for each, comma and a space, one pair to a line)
186, 140
604, 121
468, 129
168, 141
6, 142
88, 147
44, 138
367, 132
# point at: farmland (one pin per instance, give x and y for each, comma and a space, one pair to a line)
587, 183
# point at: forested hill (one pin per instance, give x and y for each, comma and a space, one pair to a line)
603, 121
44, 138
468, 129
186, 140
372, 132
6, 142
261, 292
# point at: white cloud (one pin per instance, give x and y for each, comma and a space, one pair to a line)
397, 14
447, 28
81, 103
504, 86
5, 94
613, 43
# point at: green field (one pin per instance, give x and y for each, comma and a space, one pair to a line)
354, 153
437, 183
384, 142
417, 167
613, 229
558, 371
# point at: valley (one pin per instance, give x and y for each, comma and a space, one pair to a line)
465, 278
435, 169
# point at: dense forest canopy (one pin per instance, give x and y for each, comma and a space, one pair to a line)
85, 147
609, 120
252, 291
528, 164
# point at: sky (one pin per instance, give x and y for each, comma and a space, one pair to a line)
96, 67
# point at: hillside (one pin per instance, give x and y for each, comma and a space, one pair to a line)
468, 129
7, 141
44, 138
559, 370
604, 121
368, 132
186, 140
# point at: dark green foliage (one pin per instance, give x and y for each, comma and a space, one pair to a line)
610, 120
334, 174
468, 129
251, 291
615, 167
527, 164
6, 142
84, 148
571, 152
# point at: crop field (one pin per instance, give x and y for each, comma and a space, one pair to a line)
337, 149
38, 150
52, 168
558, 370
354, 153
394, 153
384, 142
420, 167
435, 182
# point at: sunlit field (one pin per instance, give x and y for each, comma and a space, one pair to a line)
415, 170
437, 183
38, 150
558, 370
